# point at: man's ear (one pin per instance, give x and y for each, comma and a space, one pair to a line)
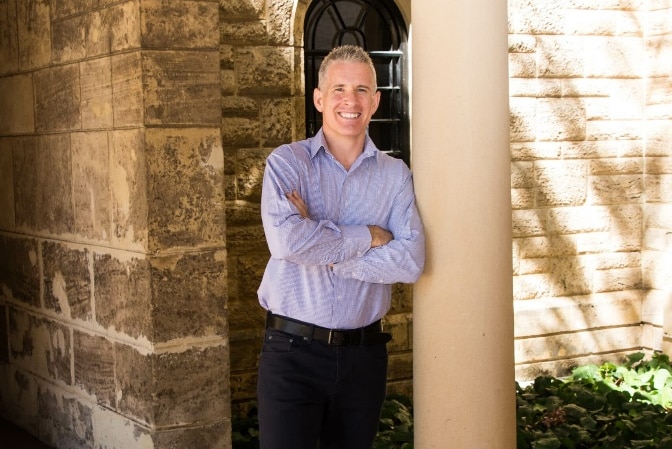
317, 99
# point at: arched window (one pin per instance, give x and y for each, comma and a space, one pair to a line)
378, 27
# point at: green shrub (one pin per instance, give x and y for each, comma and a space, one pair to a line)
599, 407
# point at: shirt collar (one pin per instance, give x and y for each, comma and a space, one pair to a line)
318, 143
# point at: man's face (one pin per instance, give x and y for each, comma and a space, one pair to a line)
346, 99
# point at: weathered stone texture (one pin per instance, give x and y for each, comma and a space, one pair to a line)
586, 207
535, 17
180, 24
241, 9
75, 172
176, 374
16, 98
402, 300
185, 186
214, 436
114, 29
9, 39
240, 132
134, 383
57, 97
121, 295
559, 57
617, 189
181, 87
96, 94
69, 38
6, 185
614, 57
277, 117
250, 167
128, 187
94, 367
522, 65
655, 269
550, 347
115, 431
67, 281
34, 34
19, 270
40, 346
91, 182
244, 33
561, 183
659, 188
64, 420
279, 21
659, 53
97, 32
43, 184
127, 93
189, 295
64, 8
603, 22
249, 268
264, 70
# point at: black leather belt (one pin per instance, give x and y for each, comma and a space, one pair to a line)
369, 335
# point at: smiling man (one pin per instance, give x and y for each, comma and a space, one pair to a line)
342, 226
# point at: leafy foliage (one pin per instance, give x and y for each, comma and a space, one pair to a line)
396, 424
599, 407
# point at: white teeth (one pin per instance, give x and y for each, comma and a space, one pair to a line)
349, 115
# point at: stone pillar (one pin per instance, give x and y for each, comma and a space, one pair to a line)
463, 315
113, 318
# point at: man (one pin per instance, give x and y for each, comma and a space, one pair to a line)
342, 226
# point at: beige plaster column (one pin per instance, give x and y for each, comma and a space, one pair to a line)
464, 393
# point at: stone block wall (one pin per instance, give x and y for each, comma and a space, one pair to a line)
113, 264
263, 107
590, 144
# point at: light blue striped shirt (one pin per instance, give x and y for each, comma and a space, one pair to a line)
377, 190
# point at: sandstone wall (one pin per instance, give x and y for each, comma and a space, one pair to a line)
590, 144
113, 328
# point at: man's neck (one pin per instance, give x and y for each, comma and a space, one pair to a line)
346, 151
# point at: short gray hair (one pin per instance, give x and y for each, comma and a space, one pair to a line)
346, 53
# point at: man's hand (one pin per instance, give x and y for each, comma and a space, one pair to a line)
298, 202
379, 236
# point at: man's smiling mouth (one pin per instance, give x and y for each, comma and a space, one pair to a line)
349, 114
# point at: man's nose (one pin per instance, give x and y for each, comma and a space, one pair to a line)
350, 97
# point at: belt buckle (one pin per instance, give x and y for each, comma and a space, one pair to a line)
336, 338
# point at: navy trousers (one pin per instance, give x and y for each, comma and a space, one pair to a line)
310, 392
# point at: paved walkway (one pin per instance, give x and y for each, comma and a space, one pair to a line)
13, 437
